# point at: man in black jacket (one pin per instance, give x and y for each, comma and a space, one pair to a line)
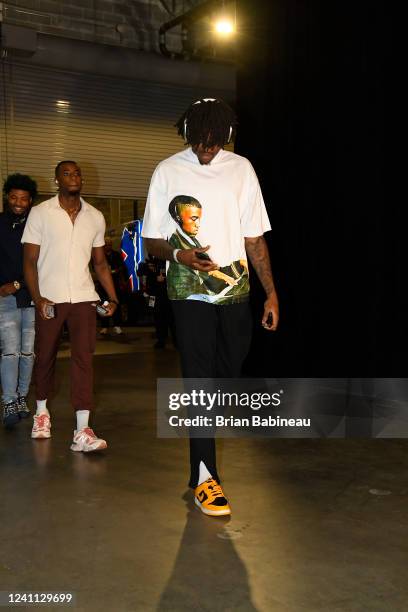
16, 313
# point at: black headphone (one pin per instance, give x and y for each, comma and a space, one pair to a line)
199, 102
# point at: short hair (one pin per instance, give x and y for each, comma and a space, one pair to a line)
20, 181
208, 121
64, 161
179, 202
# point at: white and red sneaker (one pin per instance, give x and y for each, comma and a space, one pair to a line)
86, 441
41, 427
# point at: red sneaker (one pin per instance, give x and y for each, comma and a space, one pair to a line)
86, 441
41, 426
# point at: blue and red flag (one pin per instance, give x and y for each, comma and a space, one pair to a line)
132, 252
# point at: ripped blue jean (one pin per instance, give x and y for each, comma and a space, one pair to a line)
17, 348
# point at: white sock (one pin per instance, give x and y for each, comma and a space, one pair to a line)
42, 407
204, 473
82, 419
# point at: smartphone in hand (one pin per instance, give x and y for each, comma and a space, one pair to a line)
269, 320
50, 311
203, 256
101, 308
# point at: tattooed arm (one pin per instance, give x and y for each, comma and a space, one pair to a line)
258, 254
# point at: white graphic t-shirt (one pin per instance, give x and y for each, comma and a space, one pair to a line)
217, 204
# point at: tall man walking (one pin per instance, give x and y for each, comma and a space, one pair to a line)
16, 312
205, 195
60, 238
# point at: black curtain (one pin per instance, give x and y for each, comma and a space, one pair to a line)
318, 109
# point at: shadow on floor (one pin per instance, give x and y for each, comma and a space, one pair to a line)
208, 573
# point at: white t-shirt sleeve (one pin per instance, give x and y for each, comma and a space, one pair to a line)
33, 227
254, 218
99, 239
155, 221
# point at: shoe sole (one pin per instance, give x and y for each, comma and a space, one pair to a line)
40, 436
77, 449
212, 512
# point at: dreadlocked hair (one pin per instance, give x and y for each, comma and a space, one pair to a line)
20, 181
207, 122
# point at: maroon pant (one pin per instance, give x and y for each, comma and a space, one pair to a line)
81, 323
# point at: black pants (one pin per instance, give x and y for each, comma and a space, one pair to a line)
213, 342
163, 318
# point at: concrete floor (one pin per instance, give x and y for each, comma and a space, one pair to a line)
317, 525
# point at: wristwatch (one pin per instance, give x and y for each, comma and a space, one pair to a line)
17, 285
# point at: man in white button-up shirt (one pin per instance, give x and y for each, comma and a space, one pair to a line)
60, 239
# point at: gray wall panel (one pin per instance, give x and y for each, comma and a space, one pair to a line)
117, 129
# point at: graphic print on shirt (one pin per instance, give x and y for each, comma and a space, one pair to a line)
227, 285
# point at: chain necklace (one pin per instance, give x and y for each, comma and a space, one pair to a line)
73, 213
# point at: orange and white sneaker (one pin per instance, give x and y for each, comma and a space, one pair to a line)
86, 441
209, 497
41, 427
